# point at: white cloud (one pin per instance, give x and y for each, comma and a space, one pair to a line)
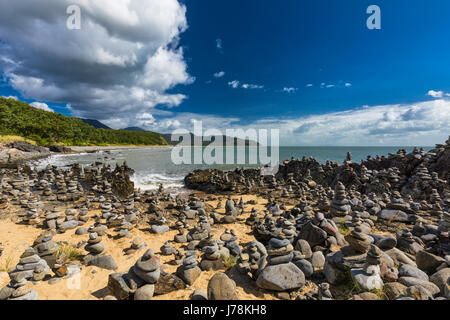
348, 84
252, 86
234, 84
219, 45
423, 123
122, 62
10, 97
290, 90
330, 86
437, 94
42, 106
309, 85
219, 74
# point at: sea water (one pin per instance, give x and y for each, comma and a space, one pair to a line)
153, 166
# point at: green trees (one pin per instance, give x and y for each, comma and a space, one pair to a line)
46, 128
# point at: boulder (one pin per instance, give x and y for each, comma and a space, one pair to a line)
220, 287
281, 277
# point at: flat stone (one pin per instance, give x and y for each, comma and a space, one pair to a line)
145, 292
168, 283
159, 229
306, 267
428, 262
304, 247
150, 277
148, 265
394, 215
400, 257
118, 286
31, 295
104, 262
281, 277
67, 225
410, 271
410, 281
394, 290
96, 248
31, 259
440, 279
81, 231
6, 292
367, 282
189, 275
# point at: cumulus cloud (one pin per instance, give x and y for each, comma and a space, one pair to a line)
42, 106
10, 97
122, 61
290, 90
219, 74
309, 85
437, 94
251, 86
168, 123
348, 84
423, 123
234, 84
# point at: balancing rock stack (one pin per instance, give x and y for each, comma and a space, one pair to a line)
211, 259
189, 270
18, 289
253, 259
230, 241
45, 247
139, 282
30, 267
96, 248
53, 218
340, 205
280, 274
147, 268
368, 277
167, 249
32, 217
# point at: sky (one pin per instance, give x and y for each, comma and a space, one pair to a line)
311, 69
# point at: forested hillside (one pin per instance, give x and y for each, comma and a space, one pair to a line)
46, 128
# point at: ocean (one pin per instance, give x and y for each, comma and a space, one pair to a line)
154, 166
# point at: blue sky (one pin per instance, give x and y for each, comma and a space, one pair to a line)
309, 68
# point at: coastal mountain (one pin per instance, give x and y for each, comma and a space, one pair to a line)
48, 128
137, 129
96, 124
167, 137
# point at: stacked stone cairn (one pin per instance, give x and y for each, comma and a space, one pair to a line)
340, 205
96, 256
189, 270
252, 259
280, 274
369, 276
139, 282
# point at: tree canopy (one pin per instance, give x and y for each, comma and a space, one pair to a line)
47, 128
